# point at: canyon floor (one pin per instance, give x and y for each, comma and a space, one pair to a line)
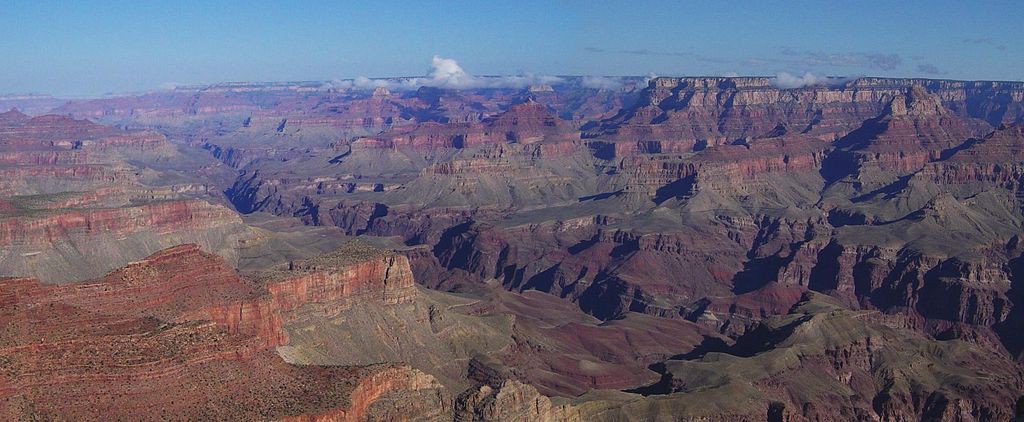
690, 248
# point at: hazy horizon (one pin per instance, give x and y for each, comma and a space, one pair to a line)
121, 47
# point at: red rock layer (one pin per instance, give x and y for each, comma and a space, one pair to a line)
21, 179
725, 166
159, 216
52, 131
719, 110
915, 130
997, 158
49, 154
182, 321
371, 389
317, 292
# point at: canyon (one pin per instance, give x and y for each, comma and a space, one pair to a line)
710, 248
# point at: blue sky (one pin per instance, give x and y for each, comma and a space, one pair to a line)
97, 47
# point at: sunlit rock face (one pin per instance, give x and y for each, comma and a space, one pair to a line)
182, 319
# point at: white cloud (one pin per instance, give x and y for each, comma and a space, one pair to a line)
601, 82
448, 74
731, 74
340, 84
784, 80
363, 82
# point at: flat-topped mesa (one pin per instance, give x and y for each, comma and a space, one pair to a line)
177, 103
54, 178
717, 110
40, 226
55, 127
837, 84
67, 135
331, 283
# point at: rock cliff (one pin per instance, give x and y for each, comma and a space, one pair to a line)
182, 319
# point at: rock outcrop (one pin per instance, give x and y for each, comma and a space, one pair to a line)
823, 361
511, 400
718, 110
182, 319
